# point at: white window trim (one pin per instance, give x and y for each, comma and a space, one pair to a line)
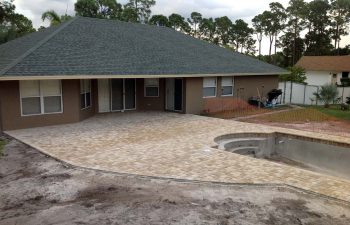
146, 86
222, 88
42, 106
216, 88
82, 92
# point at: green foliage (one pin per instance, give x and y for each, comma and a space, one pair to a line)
195, 19
12, 24
107, 9
297, 75
334, 111
178, 22
318, 40
54, 18
207, 28
2, 145
242, 36
159, 20
327, 94
129, 15
142, 9
340, 18
223, 27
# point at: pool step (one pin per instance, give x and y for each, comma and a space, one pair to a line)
245, 150
240, 142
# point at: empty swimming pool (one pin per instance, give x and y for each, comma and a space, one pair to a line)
315, 154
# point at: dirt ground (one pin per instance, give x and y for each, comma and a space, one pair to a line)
36, 189
340, 128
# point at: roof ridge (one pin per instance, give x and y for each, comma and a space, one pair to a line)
39, 44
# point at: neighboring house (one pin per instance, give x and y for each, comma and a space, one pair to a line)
322, 70
70, 72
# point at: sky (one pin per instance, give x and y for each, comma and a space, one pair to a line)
234, 9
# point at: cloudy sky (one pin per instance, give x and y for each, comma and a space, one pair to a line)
234, 9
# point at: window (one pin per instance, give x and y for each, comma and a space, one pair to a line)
40, 97
85, 94
209, 87
151, 87
345, 74
227, 86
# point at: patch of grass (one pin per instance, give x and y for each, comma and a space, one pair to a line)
2, 145
298, 115
334, 111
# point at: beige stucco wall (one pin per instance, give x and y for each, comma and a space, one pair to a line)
12, 119
150, 103
247, 86
244, 88
194, 95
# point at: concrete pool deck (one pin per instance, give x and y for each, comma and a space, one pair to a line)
170, 145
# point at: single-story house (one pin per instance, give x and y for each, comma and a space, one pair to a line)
85, 66
321, 70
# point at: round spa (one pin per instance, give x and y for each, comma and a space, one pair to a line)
309, 153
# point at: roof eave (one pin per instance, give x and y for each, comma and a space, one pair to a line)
73, 77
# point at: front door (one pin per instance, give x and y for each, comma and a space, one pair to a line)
174, 94
117, 95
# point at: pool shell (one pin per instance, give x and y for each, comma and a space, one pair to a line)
324, 156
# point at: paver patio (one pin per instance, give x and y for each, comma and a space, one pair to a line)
174, 146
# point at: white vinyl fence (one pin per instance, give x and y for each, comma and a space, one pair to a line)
294, 93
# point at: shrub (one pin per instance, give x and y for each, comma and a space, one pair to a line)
297, 75
327, 94
348, 100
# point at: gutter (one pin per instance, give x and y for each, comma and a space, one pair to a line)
78, 77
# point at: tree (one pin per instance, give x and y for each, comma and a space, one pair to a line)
223, 26
177, 22
129, 15
107, 9
258, 30
7, 10
159, 20
291, 48
296, 13
241, 35
318, 40
297, 75
54, 18
279, 19
12, 24
268, 22
207, 28
142, 8
195, 19
327, 94
340, 16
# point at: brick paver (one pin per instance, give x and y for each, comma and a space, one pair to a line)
174, 146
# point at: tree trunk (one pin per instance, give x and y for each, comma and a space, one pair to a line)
274, 58
270, 50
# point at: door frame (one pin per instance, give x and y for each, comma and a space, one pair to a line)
182, 95
110, 94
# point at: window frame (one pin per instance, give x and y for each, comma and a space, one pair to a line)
222, 86
216, 87
41, 98
151, 86
84, 92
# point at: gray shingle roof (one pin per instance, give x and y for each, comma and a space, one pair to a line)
88, 46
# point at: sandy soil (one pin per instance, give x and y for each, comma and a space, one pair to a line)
339, 128
36, 190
